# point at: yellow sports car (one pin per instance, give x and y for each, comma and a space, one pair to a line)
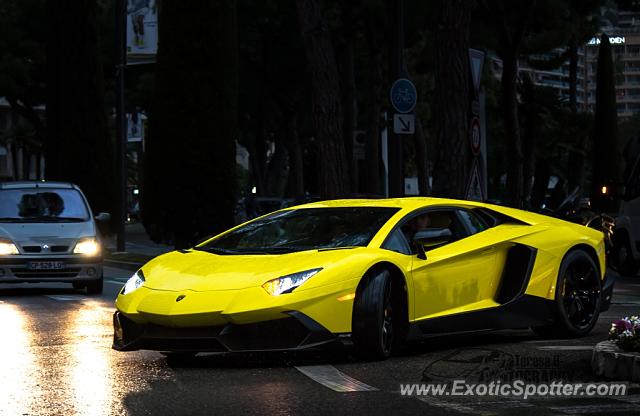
373, 273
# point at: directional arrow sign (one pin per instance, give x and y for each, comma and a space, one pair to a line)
404, 123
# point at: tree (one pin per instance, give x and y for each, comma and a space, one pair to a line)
326, 100
189, 188
606, 163
511, 20
451, 98
22, 60
78, 145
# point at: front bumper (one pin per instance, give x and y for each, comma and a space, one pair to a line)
15, 269
296, 331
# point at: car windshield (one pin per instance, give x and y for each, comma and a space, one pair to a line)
303, 229
42, 205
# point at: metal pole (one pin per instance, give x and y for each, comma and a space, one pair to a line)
396, 70
121, 127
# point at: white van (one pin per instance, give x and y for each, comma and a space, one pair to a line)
48, 234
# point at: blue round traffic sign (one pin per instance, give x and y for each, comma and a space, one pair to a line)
404, 95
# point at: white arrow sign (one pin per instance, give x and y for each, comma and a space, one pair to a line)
404, 123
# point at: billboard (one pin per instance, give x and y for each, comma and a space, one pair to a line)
142, 30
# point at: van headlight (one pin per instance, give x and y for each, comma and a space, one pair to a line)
7, 247
134, 283
286, 284
87, 246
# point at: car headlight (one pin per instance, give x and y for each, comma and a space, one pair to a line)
134, 283
7, 247
87, 246
286, 284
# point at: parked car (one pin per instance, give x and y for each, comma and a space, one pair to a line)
626, 236
48, 234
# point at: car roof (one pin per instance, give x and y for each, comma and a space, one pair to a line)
402, 203
37, 184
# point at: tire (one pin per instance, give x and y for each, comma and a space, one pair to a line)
376, 328
577, 300
94, 287
626, 265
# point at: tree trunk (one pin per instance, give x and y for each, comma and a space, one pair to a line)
514, 156
350, 104
78, 148
296, 165
606, 166
451, 99
576, 158
421, 159
333, 177
529, 137
373, 184
190, 159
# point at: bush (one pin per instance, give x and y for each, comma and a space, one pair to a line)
625, 333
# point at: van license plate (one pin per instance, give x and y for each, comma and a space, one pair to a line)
46, 265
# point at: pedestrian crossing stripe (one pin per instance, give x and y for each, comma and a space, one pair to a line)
65, 298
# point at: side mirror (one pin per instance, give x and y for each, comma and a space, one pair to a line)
103, 217
429, 238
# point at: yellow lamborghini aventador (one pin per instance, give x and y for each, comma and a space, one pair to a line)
373, 273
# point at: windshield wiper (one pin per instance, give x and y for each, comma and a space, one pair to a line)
217, 250
337, 248
11, 219
51, 218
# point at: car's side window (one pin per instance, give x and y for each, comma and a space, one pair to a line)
433, 219
472, 222
397, 242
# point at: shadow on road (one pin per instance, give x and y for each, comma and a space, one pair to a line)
21, 291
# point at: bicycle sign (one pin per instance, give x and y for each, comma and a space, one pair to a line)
404, 95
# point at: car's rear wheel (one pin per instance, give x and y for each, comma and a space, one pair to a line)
577, 302
375, 325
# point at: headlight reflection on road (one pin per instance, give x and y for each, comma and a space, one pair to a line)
19, 391
90, 367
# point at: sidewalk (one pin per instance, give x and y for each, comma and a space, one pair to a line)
139, 248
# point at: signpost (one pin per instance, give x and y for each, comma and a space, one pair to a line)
476, 186
475, 189
403, 95
404, 124
475, 136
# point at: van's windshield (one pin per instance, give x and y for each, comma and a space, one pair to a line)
42, 205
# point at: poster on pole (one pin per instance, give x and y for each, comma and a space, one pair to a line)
142, 31
136, 123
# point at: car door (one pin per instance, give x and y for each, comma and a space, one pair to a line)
459, 276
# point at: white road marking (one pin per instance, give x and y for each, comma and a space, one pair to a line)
566, 348
542, 341
115, 282
460, 408
65, 298
596, 408
331, 377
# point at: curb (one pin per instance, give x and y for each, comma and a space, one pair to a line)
609, 361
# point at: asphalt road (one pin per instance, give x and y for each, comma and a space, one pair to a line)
56, 359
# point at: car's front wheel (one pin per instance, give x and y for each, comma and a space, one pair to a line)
374, 325
577, 300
